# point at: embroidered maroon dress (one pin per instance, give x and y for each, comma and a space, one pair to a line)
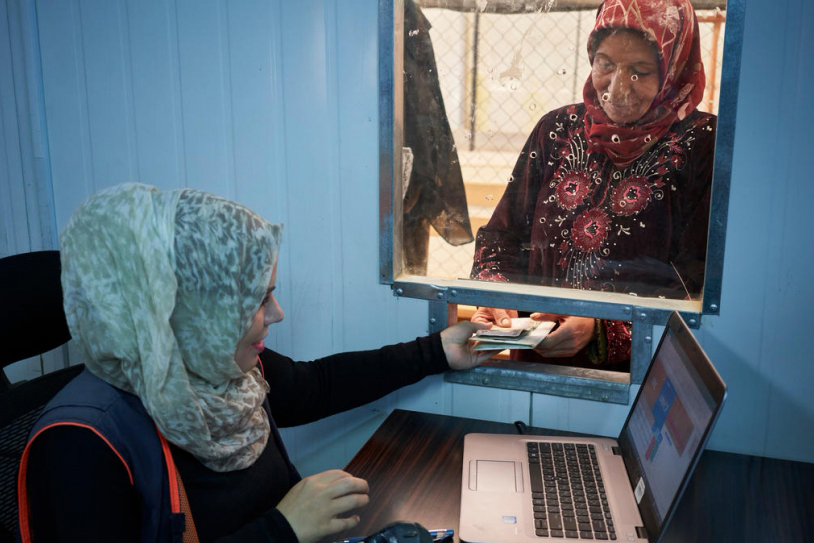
571, 218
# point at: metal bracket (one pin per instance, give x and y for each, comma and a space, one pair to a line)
641, 347
586, 384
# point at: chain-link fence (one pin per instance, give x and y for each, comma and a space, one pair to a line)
499, 73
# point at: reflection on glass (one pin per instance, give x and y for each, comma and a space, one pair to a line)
611, 189
433, 187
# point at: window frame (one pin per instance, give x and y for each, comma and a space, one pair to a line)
444, 294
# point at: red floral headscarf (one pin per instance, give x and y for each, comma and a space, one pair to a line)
672, 27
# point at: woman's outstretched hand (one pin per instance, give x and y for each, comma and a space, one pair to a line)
458, 348
316, 506
572, 334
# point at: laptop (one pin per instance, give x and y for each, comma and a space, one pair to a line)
536, 489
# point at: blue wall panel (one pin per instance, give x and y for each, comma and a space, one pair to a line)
156, 91
761, 341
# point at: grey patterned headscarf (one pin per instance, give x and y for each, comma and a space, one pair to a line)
159, 287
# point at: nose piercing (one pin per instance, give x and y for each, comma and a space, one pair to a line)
606, 97
634, 77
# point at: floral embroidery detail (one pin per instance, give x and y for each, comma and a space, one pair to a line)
631, 196
487, 271
573, 189
618, 341
673, 145
590, 230
488, 275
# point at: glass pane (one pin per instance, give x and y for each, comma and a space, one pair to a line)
501, 169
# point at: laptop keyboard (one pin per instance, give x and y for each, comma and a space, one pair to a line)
567, 492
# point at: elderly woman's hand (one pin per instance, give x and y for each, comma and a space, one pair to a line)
317, 506
458, 348
570, 337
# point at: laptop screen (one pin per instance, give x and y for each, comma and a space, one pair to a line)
669, 424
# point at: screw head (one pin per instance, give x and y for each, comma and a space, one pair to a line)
399, 291
648, 339
433, 320
439, 295
713, 307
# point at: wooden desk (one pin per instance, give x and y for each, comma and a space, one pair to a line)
413, 465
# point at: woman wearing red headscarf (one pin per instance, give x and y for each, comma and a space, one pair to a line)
612, 194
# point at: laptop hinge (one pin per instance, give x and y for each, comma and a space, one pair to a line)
617, 451
641, 532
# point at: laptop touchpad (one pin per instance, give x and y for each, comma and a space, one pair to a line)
495, 476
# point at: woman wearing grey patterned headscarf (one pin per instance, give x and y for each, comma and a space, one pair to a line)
168, 298
158, 314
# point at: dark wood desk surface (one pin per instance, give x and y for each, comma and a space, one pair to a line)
413, 465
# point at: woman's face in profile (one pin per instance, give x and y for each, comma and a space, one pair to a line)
251, 344
625, 74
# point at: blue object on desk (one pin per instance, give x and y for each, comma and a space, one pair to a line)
442, 535
438, 536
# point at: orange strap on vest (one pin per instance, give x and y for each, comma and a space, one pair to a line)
178, 495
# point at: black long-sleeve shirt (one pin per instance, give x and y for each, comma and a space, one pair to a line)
79, 490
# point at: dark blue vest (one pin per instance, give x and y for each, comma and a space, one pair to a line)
121, 420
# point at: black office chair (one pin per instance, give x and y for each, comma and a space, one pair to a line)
32, 322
